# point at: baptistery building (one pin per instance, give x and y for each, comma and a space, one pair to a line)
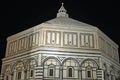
61, 49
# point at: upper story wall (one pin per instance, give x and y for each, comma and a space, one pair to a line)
77, 39
107, 46
23, 41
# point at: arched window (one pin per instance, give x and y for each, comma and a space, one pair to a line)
30, 68
51, 69
70, 72
19, 71
70, 69
51, 72
112, 74
89, 69
112, 77
19, 76
7, 73
31, 73
7, 78
106, 75
89, 72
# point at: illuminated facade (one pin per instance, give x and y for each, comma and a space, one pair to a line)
61, 49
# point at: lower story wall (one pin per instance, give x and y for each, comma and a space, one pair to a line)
58, 67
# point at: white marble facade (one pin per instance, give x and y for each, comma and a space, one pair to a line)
61, 49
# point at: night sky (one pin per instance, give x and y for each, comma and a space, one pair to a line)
18, 15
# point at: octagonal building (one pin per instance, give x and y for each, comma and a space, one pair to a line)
61, 49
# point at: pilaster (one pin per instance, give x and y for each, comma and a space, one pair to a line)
39, 73
100, 75
61, 72
39, 59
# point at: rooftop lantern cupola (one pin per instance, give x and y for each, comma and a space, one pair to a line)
62, 12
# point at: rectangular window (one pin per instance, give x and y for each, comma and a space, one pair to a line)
53, 38
9, 48
74, 39
51, 72
82, 40
25, 43
37, 38
19, 75
6, 77
112, 77
86, 40
70, 39
91, 41
20, 41
12, 47
65, 39
15, 47
57, 38
31, 73
48, 37
89, 74
30, 40
102, 43
34, 40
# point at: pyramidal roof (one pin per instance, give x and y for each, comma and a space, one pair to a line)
63, 19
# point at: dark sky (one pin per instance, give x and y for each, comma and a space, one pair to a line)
19, 15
